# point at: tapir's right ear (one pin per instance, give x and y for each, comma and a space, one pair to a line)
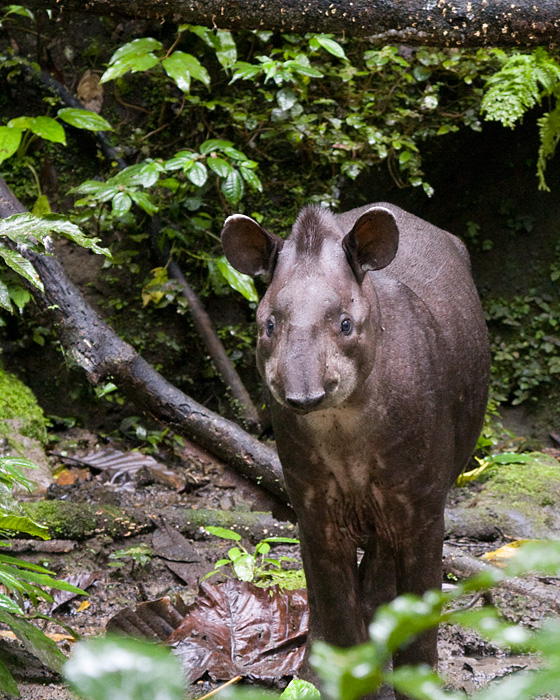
249, 247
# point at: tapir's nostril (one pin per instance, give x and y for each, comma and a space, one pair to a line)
303, 402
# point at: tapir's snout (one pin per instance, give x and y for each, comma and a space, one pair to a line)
302, 403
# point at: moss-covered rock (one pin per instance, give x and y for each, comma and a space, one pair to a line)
23, 426
519, 500
77, 521
17, 402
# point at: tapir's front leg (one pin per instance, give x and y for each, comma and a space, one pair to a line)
332, 582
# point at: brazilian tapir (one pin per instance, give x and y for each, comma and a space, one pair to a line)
373, 344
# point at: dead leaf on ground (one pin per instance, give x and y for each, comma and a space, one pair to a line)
177, 552
83, 581
230, 629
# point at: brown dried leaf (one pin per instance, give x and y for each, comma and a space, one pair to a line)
237, 628
230, 629
90, 91
83, 581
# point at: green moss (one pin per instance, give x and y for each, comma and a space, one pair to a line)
17, 402
65, 520
537, 481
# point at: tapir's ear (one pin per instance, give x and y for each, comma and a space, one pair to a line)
249, 247
372, 243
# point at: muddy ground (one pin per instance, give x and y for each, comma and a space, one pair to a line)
145, 499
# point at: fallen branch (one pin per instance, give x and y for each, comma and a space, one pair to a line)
92, 345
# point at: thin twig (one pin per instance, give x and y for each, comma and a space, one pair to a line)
235, 679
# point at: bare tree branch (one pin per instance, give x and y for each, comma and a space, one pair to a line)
99, 351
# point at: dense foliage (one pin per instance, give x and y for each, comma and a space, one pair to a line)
210, 122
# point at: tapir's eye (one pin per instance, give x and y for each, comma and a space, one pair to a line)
269, 327
346, 326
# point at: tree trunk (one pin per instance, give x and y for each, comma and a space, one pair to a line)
97, 349
413, 22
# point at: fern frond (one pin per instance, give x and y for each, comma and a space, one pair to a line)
549, 132
519, 85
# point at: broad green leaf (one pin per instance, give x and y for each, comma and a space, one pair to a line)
304, 68
18, 10
21, 523
220, 166
223, 532
41, 206
22, 266
198, 174
237, 280
145, 202
10, 138
22, 564
5, 301
245, 71
143, 174
34, 641
211, 145
227, 51
286, 98
127, 669
137, 47
250, 178
233, 187
20, 296
134, 64
244, 567
89, 187
298, 689
8, 686
121, 203
181, 160
84, 119
45, 127
181, 67
329, 44
72, 232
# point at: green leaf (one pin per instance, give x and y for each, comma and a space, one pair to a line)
330, 45
45, 127
134, 64
10, 472
298, 689
6, 603
22, 266
237, 280
244, 567
212, 145
20, 296
84, 119
250, 177
41, 206
10, 138
286, 98
145, 202
223, 532
181, 160
121, 203
245, 71
143, 174
303, 67
21, 523
35, 641
127, 669
233, 187
135, 48
5, 301
198, 174
31, 225
18, 10
181, 67
226, 53
220, 166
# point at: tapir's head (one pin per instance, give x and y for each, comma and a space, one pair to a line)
318, 321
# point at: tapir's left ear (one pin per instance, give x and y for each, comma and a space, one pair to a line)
249, 247
372, 243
